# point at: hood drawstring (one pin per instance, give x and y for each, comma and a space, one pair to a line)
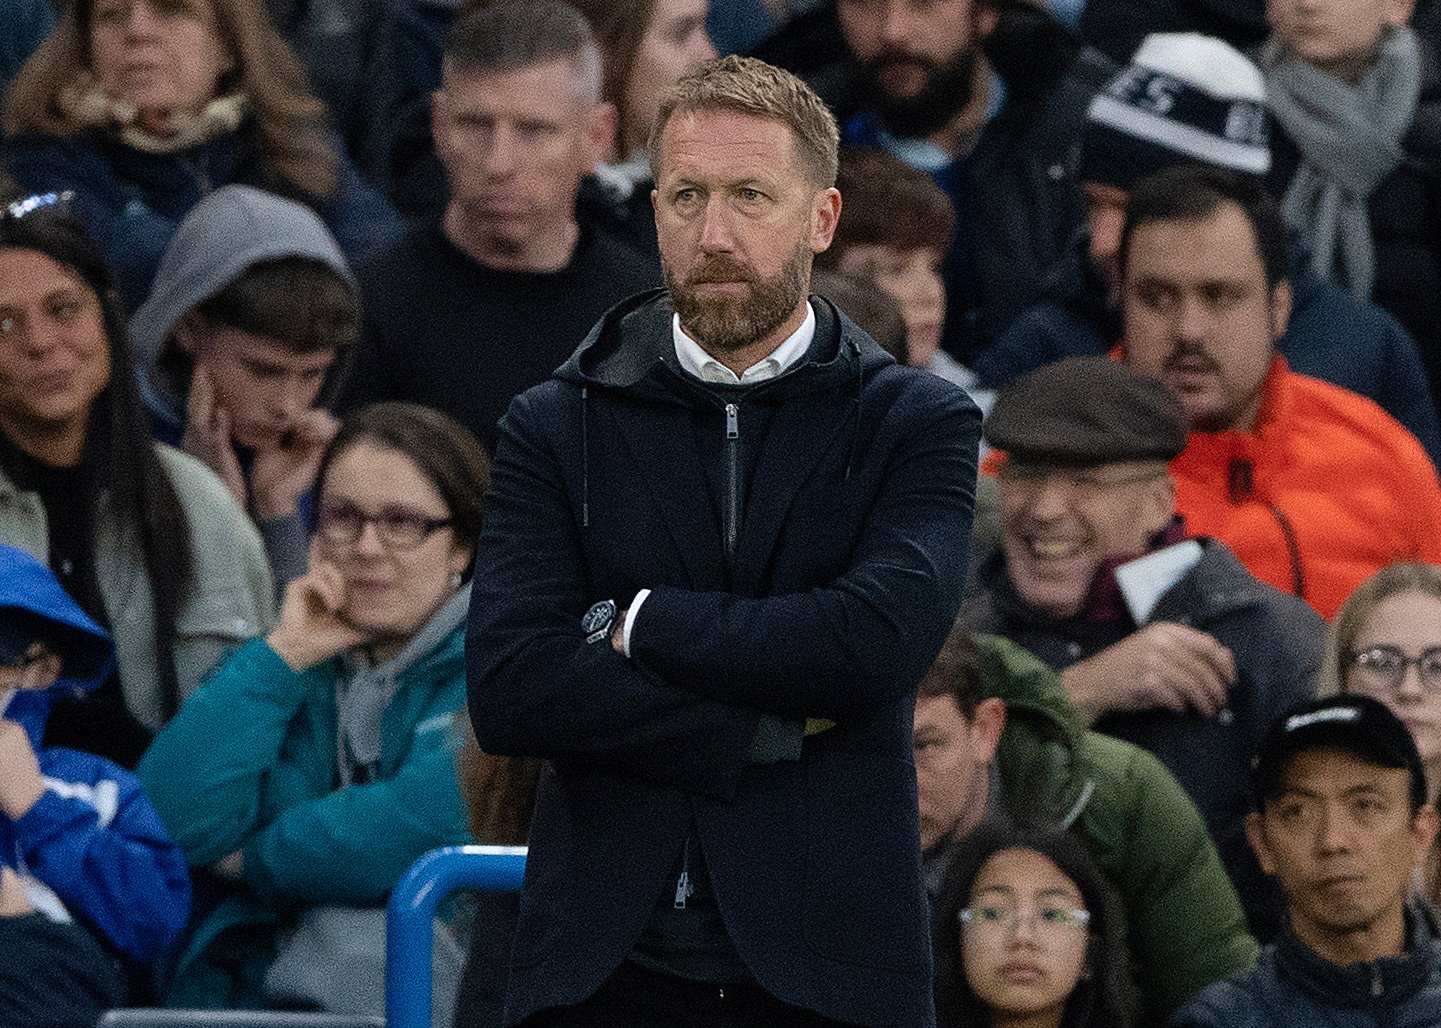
584, 457
860, 390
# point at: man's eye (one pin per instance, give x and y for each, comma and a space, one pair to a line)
990, 915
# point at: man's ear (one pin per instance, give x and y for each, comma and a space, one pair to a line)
188, 332
1398, 12
987, 724
1256, 836
1423, 831
825, 216
1281, 299
600, 137
1160, 502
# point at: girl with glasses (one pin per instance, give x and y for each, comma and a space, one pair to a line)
317, 764
1386, 643
1028, 934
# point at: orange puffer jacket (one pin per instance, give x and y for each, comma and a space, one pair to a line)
1325, 489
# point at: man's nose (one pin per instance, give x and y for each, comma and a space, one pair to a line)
501, 152
1191, 319
715, 234
896, 23
1335, 832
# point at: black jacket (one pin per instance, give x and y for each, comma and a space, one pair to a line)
829, 601
1291, 987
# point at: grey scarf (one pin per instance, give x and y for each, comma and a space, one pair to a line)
1350, 139
364, 691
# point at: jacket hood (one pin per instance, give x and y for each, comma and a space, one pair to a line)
34, 606
226, 233
1031, 691
631, 349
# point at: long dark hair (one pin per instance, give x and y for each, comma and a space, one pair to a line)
1104, 997
140, 492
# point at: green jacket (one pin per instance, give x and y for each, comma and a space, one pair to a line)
1185, 926
231, 596
250, 764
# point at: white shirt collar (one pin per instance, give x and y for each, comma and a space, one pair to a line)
695, 362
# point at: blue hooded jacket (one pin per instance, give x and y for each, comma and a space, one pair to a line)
92, 847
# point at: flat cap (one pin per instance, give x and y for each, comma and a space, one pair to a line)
1087, 410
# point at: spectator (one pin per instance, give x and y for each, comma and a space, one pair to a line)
87, 873
146, 539
875, 311
727, 831
1166, 642
894, 232
1341, 821
646, 45
252, 306
1390, 624
1029, 932
335, 40
314, 767
499, 793
1214, 114
218, 98
27, 23
1312, 486
995, 738
464, 313
989, 99
1356, 96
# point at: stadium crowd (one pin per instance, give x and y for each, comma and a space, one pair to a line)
1031, 619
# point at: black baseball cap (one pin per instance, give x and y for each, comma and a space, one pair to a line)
1357, 724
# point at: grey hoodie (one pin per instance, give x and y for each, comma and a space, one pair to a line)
229, 231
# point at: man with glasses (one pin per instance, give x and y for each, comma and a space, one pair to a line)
1342, 822
1164, 641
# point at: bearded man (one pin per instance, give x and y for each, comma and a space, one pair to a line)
989, 97
724, 544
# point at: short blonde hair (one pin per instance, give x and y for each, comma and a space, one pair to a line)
745, 85
1384, 584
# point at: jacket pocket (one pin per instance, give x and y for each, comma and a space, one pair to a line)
863, 901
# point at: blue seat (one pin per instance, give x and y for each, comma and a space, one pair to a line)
413, 903
232, 1019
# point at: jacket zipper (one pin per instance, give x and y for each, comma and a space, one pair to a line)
733, 485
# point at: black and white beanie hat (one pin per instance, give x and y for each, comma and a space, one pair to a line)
1183, 97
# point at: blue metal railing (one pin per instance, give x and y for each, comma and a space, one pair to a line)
408, 939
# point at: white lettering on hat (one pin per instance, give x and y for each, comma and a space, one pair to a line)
1332, 714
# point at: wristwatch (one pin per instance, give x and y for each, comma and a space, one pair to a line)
598, 621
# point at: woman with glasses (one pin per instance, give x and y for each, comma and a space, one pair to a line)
146, 540
317, 764
1386, 643
1028, 934
141, 107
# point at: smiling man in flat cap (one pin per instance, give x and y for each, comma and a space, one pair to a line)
1162, 640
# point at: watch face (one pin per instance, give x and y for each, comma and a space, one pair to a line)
598, 617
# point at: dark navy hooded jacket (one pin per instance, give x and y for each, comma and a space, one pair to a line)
92, 847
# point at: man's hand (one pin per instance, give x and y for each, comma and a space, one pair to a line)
1164, 666
281, 474
207, 435
311, 628
20, 784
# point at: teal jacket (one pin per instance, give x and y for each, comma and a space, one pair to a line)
249, 764
1185, 926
